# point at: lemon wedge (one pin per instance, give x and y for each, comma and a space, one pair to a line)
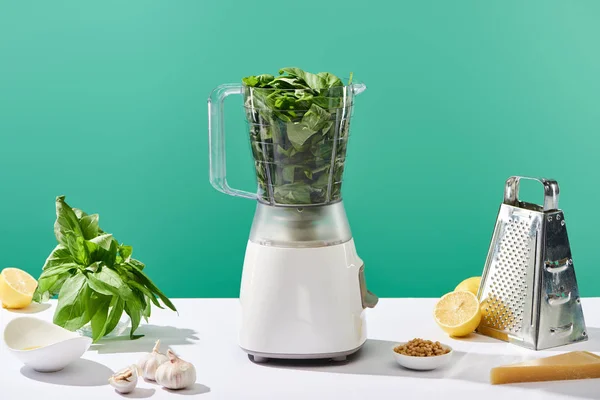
16, 288
469, 285
458, 313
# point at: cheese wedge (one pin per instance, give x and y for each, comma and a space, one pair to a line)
567, 366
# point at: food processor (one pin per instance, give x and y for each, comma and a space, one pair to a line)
303, 293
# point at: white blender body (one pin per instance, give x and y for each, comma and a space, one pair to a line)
301, 303
303, 292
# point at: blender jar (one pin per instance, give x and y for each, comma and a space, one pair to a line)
298, 139
299, 146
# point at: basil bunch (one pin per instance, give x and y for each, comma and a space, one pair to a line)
299, 123
94, 276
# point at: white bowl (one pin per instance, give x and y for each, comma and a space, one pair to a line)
43, 346
423, 363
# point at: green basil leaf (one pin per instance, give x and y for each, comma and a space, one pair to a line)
58, 270
98, 309
117, 305
144, 295
125, 252
250, 81
146, 291
282, 82
148, 309
293, 193
109, 282
133, 310
103, 241
299, 134
328, 102
72, 311
314, 81
92, 249
322, 80
102, 248
71, 289
58, 267
40, 297
66, 223
42, 291
56, 286
78, 213
144, 306
78, 250
316, 118
89, 226
144, 280
97, 284
49, 287
289, 172
331, 80
135, 263
60, 256
111, 254
259, 80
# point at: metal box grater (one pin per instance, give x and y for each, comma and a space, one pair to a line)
528, 291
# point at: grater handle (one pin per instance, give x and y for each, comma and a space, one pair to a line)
551, 191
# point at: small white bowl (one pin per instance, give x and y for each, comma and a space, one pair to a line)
43, 346
422, 363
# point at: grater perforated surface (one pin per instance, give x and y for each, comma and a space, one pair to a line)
508, 287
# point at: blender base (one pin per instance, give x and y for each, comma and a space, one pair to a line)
302, 303
341, 356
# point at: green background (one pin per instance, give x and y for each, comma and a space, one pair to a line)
105, 102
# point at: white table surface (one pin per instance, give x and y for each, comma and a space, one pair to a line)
205, 333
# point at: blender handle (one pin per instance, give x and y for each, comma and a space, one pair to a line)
216, 140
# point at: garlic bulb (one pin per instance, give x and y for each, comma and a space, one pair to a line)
175, 374
151, 361
125, 380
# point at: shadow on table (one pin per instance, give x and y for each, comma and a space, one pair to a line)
583, 388
138, 393
592, 344
80, 373
32, 308
376, 358
168, 335
195, 389
476, 338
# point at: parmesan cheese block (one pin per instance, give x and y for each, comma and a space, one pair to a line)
567, 366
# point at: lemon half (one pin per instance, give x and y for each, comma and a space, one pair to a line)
458, 313
16, 288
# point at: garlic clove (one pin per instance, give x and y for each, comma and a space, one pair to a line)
176, 374
125, 380
151, 361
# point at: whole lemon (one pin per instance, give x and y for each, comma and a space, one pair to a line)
469, 285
